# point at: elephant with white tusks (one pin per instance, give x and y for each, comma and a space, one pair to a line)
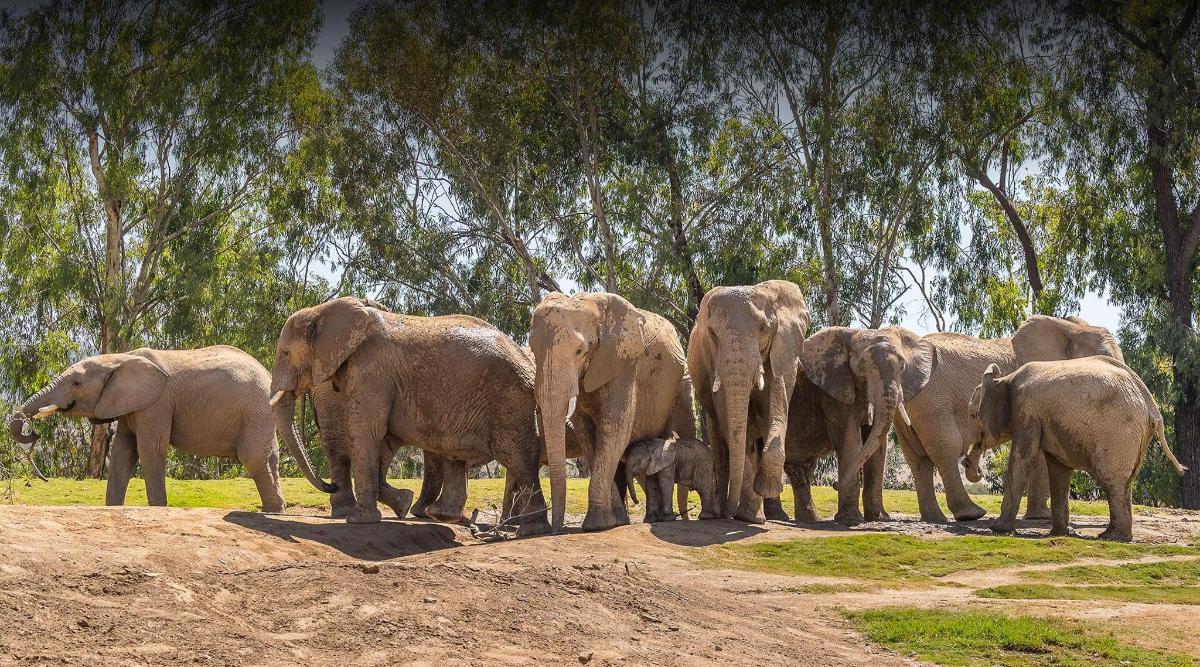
743, 357
1093, 414
209, 402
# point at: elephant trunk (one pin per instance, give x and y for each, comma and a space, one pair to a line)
556, 396
285, 425
45, 398
736, 407
883, 402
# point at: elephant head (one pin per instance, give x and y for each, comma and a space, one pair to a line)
991, 406
579, 344
747, 341
313, 346
890, 365
101, 388
1045, 338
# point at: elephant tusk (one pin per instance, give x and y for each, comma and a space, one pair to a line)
277, 397
903, 413
46, 411
571, 406
870, 414
760, 382
716, 383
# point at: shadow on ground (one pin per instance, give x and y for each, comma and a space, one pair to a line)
704, 533
376, 541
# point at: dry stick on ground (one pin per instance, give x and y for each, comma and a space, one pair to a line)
495, 533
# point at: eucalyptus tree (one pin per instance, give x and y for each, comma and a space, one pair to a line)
136, 135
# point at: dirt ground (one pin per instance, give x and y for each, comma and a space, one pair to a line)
139, 585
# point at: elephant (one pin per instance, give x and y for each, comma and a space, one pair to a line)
621, 368
853, 382
658, 464
451, 385
941, 430
210, 401
1093, 414
743, 355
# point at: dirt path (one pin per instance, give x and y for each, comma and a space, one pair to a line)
142, 585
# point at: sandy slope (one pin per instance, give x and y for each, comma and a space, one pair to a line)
142, 585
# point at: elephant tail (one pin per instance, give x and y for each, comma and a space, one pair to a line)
1160, 431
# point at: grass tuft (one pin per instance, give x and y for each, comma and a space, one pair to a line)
948, 637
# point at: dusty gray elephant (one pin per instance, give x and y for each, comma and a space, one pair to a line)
659, 464
743, 356
621, 368
853, 382
452, 385
1093, 414
941, 431
208, 402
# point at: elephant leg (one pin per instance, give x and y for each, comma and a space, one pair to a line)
450, 504
1026, 444
1060, 498
654, 501
1120, 512
720, 454
666, 492
773, 508
850, 437
872, 493
398, 500
510, 490
681, 495
750, 509
801, 477
368, 436
152, 451
265, 473
606, 508
922, 471
957, 498
528, 503
341, 502
122, 459
431, 485
1039, 490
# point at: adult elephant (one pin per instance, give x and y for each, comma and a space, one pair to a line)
942, 430
621, 368
853, 382
452, 385
743, 357
209, 402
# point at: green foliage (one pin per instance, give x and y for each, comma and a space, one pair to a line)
885, 557
952, 637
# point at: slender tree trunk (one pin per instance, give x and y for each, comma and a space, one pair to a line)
111, 296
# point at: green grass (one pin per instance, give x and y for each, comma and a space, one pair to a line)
890, 557
828, 589
1170, 582
239, 493
984, 638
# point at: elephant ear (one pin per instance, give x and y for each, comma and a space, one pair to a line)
133, 384
920, 360
826, 360
663, 455
620, 340
976, 399
336, 333
791, 323
1044, 338
994, 391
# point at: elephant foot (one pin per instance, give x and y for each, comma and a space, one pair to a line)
341, 511
932, 517
748, 517
444, 515
878, 515
420, 510
773, 509
533, 525
601, 520
361, 514
273, 509
709, 514
972, 513
768, 486
1056, 531
806, 515
1003, 527
398, 500
1037, 513
1113, 535
848, 517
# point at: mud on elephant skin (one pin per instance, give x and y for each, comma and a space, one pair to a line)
210, 401
659, 464
743, 357
1093, 414
396, 372
614, 370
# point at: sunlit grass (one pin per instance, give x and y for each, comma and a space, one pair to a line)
1169, 582
949, 637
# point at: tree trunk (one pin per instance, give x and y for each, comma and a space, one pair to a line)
98, 453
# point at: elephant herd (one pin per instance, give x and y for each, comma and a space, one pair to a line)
612, 384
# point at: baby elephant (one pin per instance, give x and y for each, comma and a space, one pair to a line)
1092, 414
661, 463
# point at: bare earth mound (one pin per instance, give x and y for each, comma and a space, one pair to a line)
141, 585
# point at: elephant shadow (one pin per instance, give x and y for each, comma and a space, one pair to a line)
704, 533
374, 542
